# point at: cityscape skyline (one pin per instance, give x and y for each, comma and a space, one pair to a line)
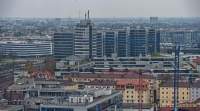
99, 55
99, 8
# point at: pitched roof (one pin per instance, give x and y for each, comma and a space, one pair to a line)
101, 82
170, 84
130, 75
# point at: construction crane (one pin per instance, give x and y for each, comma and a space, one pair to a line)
140, 92
190, 83
176, 76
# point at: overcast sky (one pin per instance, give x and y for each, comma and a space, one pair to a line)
99, 8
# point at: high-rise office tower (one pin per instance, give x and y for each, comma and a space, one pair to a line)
137, 42
109, 43
99, 44
195, 37
127, 42
122, 43
179, 36
143, 41
84, 38
153, 39
157, 41
154, 22
165, 36
63, 45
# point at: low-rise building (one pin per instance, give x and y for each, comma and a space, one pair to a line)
167, 94
15, 94
137, 107
5, 107
6, 76
194, 91
115, 76
69, 85
83, 100
134, 91
101, 84
80, 98
12, 108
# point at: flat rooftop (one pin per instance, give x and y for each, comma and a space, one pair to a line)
62, 102
10, 107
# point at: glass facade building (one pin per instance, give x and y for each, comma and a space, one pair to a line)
137, 42
109, 43
63, 45
127, 43
24, 49
99, 44
84, 45
122, 43
153, 41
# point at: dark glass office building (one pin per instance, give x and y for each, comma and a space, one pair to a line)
122, 43
153, 41
99, 44
158, 41
137, 42
63, 45
109, 43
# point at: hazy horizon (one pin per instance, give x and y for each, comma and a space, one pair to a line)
99, 8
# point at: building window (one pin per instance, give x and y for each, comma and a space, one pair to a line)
72, 100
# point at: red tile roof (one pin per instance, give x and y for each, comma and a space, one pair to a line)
130, 75
132, 82
197, 60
